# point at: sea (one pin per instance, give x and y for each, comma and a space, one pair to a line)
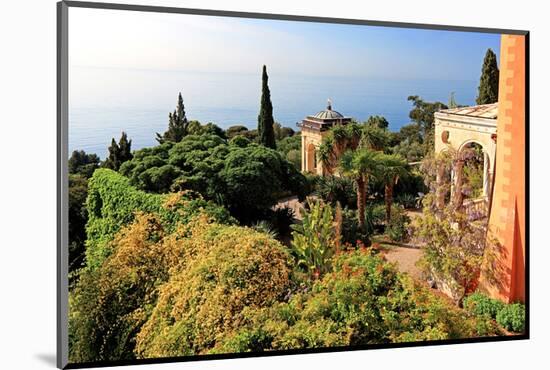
141, 108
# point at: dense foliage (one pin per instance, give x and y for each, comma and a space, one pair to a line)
127, 256
378, 121
453, 236
167, 275
113, 203
81, 163
512, 317
225, 271
509, 316
244, 177
423, 115
335, 189
81, 168
291, 149
482, 305
362, 301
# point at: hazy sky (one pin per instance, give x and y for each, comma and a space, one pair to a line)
123, 41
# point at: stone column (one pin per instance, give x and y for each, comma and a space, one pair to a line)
304, 153
458, 197
486, 180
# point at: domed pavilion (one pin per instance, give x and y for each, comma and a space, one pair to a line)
313, 129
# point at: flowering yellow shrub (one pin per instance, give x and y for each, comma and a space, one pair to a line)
110, 303
364, 300
226, 269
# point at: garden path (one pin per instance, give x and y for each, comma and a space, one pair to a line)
405, 259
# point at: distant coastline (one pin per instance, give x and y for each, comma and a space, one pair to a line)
209, 100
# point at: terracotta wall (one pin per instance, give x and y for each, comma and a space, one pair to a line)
504, 277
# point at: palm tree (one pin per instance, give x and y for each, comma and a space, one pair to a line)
392, 167
351, 136
340, 139
360, 165
374, 137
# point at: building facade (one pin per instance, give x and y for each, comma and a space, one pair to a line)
458, 128
313, 130
503, 277
500, 129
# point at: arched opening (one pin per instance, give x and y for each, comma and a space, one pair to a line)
311, 159
474, 179
473, 184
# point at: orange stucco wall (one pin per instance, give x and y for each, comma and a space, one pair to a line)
506, 236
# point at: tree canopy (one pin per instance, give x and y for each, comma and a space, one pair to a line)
82, 163
243, 176
378, 121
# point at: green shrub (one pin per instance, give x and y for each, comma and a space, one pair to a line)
397, 229
291, 148
333, 189
240, 141
295, 157
512, 317
481, 305
363, 300
378, 213
351, 234
408, 201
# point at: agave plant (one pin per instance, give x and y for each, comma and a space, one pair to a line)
314, 241
266, 228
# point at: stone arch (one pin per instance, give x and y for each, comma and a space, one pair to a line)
470, 141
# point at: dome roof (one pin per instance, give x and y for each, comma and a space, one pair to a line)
328, 113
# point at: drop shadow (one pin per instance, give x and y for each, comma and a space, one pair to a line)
47, 358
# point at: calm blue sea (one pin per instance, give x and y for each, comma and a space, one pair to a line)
234, 99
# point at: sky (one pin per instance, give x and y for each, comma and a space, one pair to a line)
109, 51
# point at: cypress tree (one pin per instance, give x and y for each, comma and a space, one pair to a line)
124, 148
488, 83
452, 101
177, 124
265, 118
112, 160
118, 153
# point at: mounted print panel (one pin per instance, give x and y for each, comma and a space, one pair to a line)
238, 184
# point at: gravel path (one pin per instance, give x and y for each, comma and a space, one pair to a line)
405, 258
